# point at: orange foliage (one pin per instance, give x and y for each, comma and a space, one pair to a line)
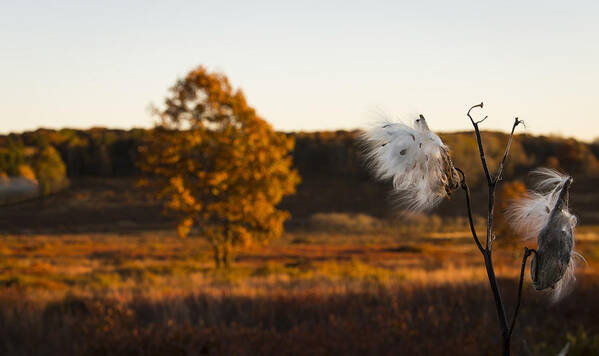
218, 165
509, 192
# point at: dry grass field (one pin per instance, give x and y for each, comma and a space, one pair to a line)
312, 293
98, 270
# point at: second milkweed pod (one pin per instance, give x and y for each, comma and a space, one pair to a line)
545, 214
415, 159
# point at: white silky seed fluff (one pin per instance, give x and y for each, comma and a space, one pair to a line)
415, 159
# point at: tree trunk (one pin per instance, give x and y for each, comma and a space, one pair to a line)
227, 256
227, 249
217, 257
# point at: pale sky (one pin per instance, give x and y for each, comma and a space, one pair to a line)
305, 65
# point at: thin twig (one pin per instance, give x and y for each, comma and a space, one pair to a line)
483, 160
493, 185
490, 218
507, 150
503, 324
464, 187
479, 141
526, 254
488, 258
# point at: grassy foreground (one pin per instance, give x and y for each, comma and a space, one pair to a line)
311, 293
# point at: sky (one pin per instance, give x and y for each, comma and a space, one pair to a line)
305, 65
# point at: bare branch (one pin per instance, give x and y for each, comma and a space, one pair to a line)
506, 330
490, 217
470, 219
498, 301
527, 253
507, 150
479, 141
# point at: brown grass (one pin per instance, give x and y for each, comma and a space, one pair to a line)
311, 293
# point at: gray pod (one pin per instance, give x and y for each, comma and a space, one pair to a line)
555, 244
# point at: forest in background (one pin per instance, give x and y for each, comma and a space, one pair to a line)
105, 152
334, 175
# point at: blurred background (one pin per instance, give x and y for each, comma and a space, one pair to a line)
109, 246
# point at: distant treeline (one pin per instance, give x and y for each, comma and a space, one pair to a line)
335, 178
107, 152
339, 154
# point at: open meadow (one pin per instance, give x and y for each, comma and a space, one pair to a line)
98, 269
339, 289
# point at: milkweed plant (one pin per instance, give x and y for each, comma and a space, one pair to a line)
419, 164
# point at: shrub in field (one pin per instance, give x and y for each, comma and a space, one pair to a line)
345, 222
50, 171
217, 165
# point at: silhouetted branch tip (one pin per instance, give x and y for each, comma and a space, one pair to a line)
469, 110
479, 142
507, 150
479, 121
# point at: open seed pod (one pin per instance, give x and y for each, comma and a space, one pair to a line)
545, 214
415, 159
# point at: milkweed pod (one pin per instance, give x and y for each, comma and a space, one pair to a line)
545, 213
415, 159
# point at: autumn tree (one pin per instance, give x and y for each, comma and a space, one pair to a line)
217, 165
50, 170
